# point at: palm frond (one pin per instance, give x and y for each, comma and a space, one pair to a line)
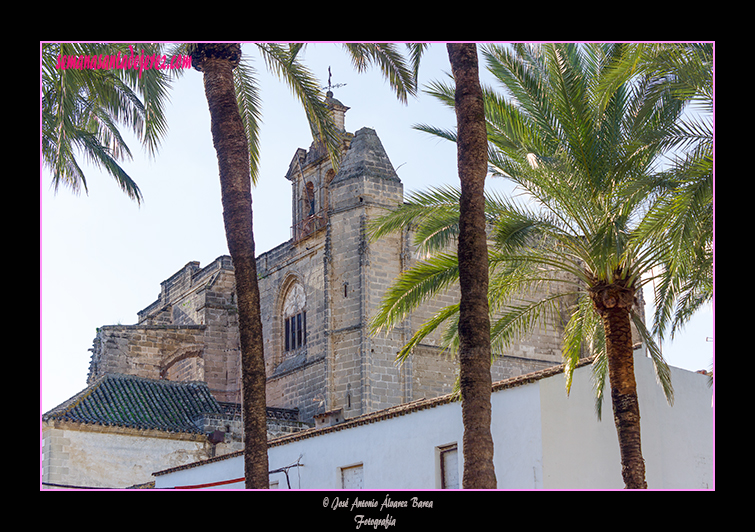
568, 90
154, 87
284, 63
432, 215
391, 63
415, 51
420, 283
580, 334
625, 63
444, 92
249, 101
445, 314
519, 69
519, 320
599, 375
99, 155
662, 371
84, 109
446, 134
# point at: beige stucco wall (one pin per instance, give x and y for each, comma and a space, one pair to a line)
110, 457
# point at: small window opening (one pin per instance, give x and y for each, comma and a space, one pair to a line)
449, 467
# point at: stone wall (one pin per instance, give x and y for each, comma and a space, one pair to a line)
364, 376
112, 457
296, 378
146, 351
189, 333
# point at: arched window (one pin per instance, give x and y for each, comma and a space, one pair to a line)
309, 198
295, 318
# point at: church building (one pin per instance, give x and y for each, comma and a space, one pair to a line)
318, 292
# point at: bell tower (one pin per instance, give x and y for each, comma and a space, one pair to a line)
363, 376
321, 354
310, 172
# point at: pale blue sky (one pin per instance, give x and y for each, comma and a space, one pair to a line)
103, 256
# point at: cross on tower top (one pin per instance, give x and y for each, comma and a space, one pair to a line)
330, 85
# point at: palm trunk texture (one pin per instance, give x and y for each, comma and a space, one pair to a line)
613, 303
217, 62
474, 319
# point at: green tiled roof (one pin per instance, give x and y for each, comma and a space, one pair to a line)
135, 402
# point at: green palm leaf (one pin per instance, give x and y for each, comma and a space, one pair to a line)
282, 61
250, 108
424, 281
83, 109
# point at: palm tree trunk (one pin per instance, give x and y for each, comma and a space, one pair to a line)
474, 319
613, 304
217, 62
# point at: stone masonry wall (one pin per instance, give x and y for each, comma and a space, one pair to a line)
145, 351
364, 376
189, 333
296, 378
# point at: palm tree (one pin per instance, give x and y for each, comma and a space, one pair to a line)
234, 136
472, 251
82, 110
217, 62
582, 166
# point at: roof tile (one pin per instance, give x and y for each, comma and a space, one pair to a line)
135, 402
